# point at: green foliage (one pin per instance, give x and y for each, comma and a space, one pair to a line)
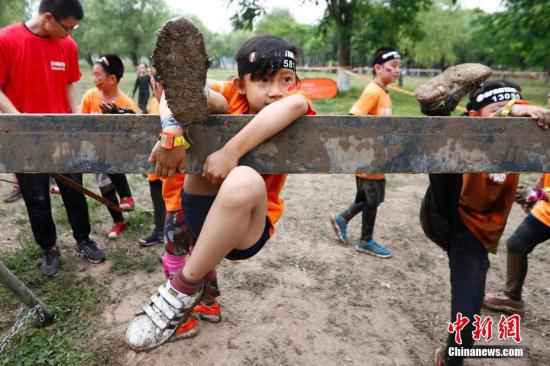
125, 27
448, 29
353, 25
387, 23
517, 37
12, 11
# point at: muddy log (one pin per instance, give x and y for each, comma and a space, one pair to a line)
317, 144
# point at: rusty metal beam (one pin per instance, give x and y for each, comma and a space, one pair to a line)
318, 144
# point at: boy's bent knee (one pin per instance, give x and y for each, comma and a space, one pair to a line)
243, 186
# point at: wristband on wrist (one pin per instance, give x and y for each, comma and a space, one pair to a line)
170, 122
507, 109
170, 141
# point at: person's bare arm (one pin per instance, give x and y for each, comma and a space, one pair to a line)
72, 94
216, 102
168, 162
539, 114
6, 106
268, 122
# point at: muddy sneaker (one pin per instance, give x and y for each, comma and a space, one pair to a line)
340, 226
49, 263
373, 248
14, 195
181, 63
440, 95
89, 250
210, 313
160, 318
501, 302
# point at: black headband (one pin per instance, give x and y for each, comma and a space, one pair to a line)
495, 95
111, 66
257, 62
385, 57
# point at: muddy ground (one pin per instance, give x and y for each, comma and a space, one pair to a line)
307, 300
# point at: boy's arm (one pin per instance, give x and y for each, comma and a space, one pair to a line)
539, 114
6, 106
168, 162
268, 122
217, 104
72, 94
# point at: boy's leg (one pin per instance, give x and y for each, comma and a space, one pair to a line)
119, 224
159, 214
525, 238
123, 189
340, 221
236, 220
109, 193
76, 207
468, 263
374, 191
35, 192
77, 212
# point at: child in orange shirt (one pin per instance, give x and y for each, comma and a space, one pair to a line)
371, 188
478, 206
535, 229
107, 72
230, 209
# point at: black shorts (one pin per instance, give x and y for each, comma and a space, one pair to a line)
372, 192
195, 209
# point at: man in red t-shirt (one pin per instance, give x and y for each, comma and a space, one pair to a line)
38, 72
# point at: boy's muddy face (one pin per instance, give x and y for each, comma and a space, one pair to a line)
263, 92
489, 110
389, 71
102, 80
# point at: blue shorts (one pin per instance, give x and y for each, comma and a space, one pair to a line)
195, 209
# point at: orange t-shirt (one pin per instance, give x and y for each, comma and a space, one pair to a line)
274, 183
171, 191
93, 98
374, 101
485, 205
542, 208
153, 107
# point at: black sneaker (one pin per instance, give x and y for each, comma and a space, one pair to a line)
89, 250
152, 239
49, 263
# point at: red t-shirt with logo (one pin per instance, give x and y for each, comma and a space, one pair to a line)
36, 71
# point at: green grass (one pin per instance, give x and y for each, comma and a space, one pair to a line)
75, 300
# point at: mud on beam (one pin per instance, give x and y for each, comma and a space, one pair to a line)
317, 144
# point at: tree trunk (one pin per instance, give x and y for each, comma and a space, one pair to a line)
135, 58
89, 59
344, 49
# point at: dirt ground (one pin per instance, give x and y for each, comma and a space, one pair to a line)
307, 300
